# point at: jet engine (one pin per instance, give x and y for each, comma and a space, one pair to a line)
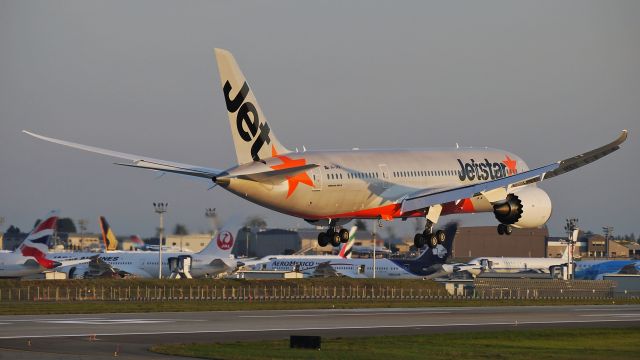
528, 207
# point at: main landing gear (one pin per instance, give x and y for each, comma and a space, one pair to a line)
505, 229
333, 237
428, 237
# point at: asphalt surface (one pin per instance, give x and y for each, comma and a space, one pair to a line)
102, 336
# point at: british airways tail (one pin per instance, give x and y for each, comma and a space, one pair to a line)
252, 136
35, 244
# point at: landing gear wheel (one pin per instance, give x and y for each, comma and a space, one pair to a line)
323, 239
418, 241
344, 235
441, 236
501, 229
433, 241
334, 238
508, 229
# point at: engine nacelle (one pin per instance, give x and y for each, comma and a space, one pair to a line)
528, 207
78, 271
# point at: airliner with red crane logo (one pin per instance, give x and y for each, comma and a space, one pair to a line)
331, 188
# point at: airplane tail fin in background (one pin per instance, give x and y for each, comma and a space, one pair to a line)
35, 244
108, 238
345, 249
137, 242
222, 242
442, 252
252, 137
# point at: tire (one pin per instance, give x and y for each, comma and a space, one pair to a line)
433, 241
323, 239
508, 229
335, 239
344, 235
441, 236
418, 241
501, 229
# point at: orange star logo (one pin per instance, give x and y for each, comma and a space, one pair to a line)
511, 165
288, 163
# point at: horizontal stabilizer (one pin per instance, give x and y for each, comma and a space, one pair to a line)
272, 177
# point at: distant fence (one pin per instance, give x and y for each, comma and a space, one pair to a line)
483, 289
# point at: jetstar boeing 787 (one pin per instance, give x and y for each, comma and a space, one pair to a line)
333, 187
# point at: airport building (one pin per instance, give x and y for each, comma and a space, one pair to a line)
477, 241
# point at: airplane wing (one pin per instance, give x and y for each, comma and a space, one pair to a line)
64, 263
427, 197
139, 161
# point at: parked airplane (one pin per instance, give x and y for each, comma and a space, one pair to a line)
333, 187
31, 257
214, 259
497, 264
596, 269
345, 251
426, 265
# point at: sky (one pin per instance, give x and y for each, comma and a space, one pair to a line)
543, 79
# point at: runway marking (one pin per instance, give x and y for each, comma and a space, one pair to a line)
417, 326
342, 314
615, 315
109, 321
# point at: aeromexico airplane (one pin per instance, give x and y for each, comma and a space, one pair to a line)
333, 187
428, 265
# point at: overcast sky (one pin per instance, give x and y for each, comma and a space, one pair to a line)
544, 79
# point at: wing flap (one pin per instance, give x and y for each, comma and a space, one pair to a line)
427, 197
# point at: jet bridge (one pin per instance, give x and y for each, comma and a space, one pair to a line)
180, 267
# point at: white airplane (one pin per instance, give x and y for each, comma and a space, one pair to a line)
497, 264
214, 259
333, 187
32, 255
426, 265
344, 252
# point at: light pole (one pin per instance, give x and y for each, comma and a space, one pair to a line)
83, 227
608, 234
571, 227
210, 213
160, 209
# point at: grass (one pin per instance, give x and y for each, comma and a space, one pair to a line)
586, 344
98, 307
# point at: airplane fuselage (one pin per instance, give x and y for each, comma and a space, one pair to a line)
371, 183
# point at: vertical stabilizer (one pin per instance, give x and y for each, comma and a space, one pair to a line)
108, 238
252, 136
36, 243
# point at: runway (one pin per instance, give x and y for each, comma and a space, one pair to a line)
72, 336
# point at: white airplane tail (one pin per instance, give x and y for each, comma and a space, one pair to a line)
221, 243
252, 137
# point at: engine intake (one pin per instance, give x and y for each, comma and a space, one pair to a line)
509, 211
